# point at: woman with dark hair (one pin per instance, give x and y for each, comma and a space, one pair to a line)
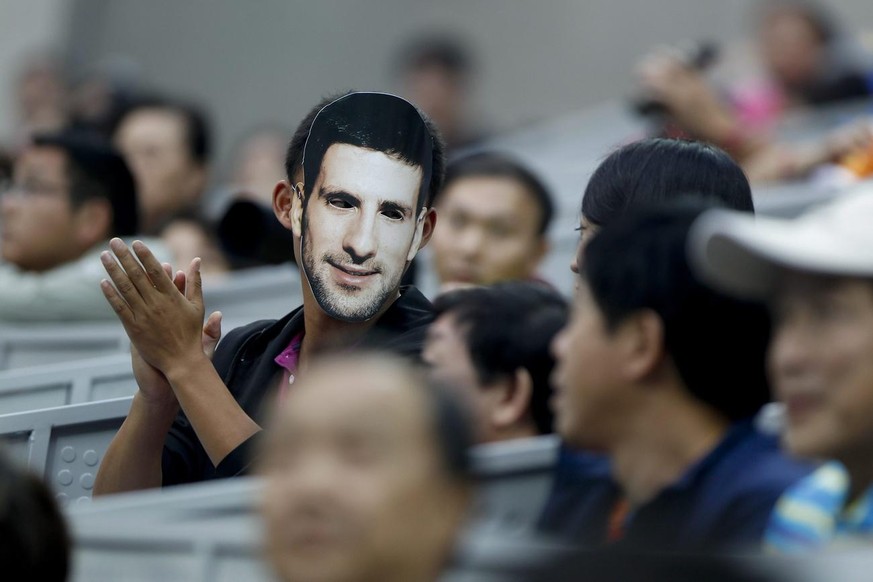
658, 170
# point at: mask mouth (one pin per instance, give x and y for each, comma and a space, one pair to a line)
352, 269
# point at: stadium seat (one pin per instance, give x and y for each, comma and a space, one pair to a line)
63, 383
211, 531
37, 345
514, 478
64, 444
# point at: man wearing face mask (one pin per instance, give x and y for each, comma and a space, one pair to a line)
371, 166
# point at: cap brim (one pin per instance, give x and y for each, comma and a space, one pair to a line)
746, 255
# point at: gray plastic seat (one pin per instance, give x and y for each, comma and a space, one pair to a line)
211, 531
57, 384
65, 444
38, 345
515, 478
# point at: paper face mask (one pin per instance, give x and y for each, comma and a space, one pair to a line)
367, 169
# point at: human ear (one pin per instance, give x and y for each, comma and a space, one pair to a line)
288, 206
423, 231
93, 221
283, 195
643, 342
514, 401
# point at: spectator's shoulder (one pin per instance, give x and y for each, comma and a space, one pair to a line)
771, 468
238, 335
402, 328
752, 489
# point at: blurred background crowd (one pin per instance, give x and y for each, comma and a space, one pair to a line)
203, 124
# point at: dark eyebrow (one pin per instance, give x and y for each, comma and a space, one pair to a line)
350, 199
387, 206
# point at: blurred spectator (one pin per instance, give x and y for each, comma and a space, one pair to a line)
258, 162
436, 74
696, 109
41, 93
806, 57
70, 194
494, 215
817, 272
809, 59
656, 171
103, 94
649, 342
493, 344
167, 145
367, 474
188, 236
34, 541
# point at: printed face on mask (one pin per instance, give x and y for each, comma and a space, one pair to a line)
360, 230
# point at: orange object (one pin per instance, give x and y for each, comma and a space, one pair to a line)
617, 521
859, 162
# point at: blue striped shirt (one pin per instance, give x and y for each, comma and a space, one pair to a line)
814, 514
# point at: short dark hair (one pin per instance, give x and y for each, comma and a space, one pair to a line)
294, 153
96, 170
34, 542
351, 121
497, 165
717, 343
509, 326
440, 50
657, 170
198, 131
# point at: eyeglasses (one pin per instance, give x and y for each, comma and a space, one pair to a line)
30, 188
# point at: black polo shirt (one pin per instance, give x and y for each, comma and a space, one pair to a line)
245, 361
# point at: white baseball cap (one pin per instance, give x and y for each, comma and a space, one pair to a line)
747, 255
